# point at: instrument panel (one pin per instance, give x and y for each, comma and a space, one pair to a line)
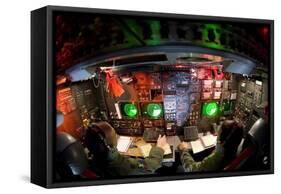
165, 101
170, 102
249, 106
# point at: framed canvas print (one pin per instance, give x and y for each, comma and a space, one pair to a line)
125, 96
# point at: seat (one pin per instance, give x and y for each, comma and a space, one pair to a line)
254, 154
71, 159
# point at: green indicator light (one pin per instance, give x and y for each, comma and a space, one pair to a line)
130, 110
210, 109
154, 110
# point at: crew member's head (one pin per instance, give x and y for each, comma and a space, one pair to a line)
230, 137
231, 134
101, 141
109, 133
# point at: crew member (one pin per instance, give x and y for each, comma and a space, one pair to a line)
228, 140
111, 163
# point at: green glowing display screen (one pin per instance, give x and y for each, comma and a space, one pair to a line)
153, 110
210, 109
129, 110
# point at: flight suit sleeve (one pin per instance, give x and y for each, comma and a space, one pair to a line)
121, 165
124, 165
212, 162
154, 160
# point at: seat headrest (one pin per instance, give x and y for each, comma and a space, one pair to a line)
259, 132
63, 140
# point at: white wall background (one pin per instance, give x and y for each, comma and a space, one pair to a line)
15, 95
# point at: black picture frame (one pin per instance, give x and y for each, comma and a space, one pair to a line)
43, 98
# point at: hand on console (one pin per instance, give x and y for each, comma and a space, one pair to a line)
183, 146
161, 142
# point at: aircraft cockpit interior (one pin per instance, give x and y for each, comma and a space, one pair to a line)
168, 84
